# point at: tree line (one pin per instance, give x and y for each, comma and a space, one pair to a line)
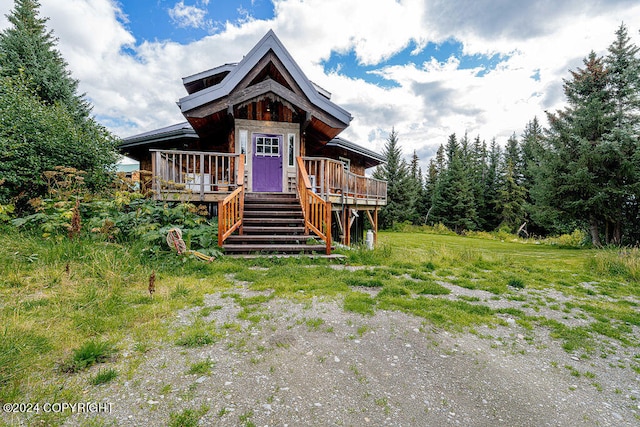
580, 172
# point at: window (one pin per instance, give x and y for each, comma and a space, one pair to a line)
243, 144
267, 146
292, 149
346, 162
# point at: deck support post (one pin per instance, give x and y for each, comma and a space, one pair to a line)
375, 227
347, 229
340, 227
374, 223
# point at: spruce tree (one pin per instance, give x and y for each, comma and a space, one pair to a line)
531, 151
400, 201
28, 48
489, 214
575, 170
421, 203
453, 201
621, 150
44, 122
511, 197
478, 170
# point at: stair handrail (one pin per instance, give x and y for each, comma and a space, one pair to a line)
231, 208
316, 210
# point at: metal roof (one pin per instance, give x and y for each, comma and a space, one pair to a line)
208, 73
358, 149
184, 130
167, 133
269, 42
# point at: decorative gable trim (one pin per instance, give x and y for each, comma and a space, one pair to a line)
237, 75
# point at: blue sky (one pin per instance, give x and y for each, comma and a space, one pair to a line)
427, 68
186, 21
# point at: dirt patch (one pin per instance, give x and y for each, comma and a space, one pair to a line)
314, 364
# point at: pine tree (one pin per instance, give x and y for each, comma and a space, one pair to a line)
28, 48
400, 202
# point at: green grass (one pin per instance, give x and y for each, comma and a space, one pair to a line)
88, 354
104, 376
188, 417
203, 367
359, 302
55, 318
197, 334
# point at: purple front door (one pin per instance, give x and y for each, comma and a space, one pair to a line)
267, 163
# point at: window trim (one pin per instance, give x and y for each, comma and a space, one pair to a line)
291, 149
346, 162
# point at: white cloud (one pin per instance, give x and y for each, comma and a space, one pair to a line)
188, 16
134, 84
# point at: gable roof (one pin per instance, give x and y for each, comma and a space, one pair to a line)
237, 73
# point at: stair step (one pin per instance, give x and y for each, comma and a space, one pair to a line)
251, 229
273, 214
273, 221
271, 206
279, 197
271, 248
252, 238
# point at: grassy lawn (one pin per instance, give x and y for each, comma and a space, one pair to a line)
66, 306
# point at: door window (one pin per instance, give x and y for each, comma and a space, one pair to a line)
267, 146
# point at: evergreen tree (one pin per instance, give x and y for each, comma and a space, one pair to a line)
400, 198
621, 150
511, 197
27, 47
421, 203
531, 151
431, 181
512, 155
453, 202
44, 122
575, 171
441, 202
478, 172
489, 214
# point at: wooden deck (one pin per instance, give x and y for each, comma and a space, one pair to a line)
194, 176
283, 223
200, 176
333, 183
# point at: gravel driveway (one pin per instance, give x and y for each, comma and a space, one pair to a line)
313, 364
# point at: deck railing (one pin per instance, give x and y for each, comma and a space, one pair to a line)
329, 178
316, 210
231, 209
195, 173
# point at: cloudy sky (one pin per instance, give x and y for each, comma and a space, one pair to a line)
429, 68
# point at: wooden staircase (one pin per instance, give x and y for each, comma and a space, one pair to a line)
273, 223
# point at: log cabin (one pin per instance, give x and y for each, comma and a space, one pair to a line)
260, 144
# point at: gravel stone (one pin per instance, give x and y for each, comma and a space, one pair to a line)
401, 371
